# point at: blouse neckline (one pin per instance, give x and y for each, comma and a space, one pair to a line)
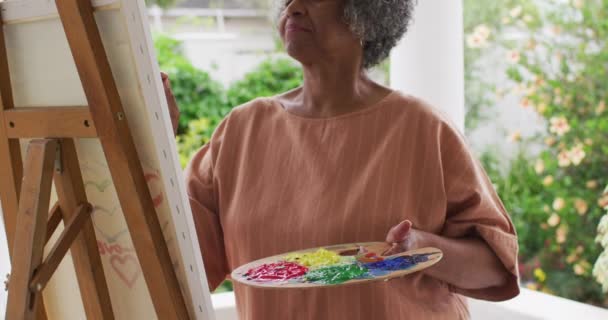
368, 109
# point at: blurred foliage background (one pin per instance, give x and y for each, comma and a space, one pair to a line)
555, 55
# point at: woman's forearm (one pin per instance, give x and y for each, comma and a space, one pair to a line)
467, 263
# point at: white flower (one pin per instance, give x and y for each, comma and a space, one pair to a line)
602, 230
539, 166
561, 234
592, 184
563, 159
554, 220
558, 99
576, 155
556, 30
603, 201
515, 12
525, 102
513, 56
474, 41
571, 77
515, 136
541, 108
559, 125
559, 204
482, 30
600, 271
479, 37
581, 206
578, 269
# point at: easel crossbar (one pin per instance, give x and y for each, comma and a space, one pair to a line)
54, 219
73, 227
56, 122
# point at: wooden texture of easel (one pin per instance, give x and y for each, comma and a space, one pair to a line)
25, 187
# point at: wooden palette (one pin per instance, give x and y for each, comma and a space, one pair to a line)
350, 256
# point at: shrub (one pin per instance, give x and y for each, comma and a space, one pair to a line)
600, 271
557, 54
199, 133
272, 76
197, 94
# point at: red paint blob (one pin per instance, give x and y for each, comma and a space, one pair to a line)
276, 272
369, 257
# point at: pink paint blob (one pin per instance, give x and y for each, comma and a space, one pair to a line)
276, 272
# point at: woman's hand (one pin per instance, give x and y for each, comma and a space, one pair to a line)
173, 109
402, 237
467, 263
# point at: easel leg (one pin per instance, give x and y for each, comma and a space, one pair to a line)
30, 231
11, 164
85, 253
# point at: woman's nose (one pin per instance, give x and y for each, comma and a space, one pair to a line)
294, 8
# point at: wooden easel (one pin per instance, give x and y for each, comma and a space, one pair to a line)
25, 188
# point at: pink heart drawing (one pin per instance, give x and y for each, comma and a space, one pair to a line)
126, 267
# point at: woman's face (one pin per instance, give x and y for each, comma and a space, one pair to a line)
314, 30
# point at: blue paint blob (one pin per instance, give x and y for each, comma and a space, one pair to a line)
387, 266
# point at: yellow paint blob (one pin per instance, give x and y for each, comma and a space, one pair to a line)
320, 258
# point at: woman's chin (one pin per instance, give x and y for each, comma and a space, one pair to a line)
300, 53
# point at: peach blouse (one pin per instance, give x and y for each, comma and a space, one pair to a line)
270, 182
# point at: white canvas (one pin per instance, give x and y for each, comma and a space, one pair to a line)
43, 73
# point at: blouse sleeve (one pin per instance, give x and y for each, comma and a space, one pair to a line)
475, 210
202, 192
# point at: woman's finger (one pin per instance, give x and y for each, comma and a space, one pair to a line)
399, 232
173, 108
166, 82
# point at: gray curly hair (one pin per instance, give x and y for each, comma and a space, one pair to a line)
380, 24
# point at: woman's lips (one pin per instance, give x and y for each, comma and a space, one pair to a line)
296, 28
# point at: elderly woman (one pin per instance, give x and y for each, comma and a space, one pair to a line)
342, 159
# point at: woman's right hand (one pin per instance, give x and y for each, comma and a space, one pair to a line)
172, 103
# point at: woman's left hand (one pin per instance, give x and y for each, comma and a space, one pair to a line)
172, 103
467, 263
403, 237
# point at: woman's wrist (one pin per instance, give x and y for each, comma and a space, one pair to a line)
424, 239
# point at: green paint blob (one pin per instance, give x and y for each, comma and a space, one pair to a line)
336, 274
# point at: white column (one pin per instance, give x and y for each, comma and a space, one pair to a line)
429, 61
157, 14
221, 22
